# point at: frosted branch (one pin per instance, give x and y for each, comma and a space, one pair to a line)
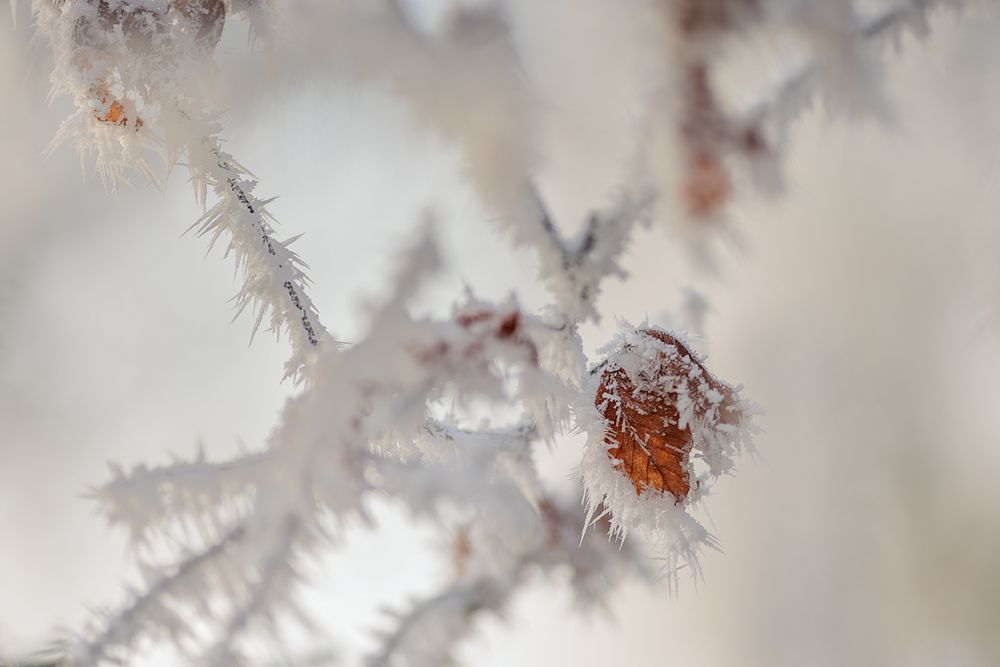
428, 633
274, 279
575, 268
785, 98
132, 70
145, 498
367, 421
149, 611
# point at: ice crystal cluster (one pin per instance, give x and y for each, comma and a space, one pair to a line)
661, 428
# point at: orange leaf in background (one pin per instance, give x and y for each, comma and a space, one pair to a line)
707, 186
643, 434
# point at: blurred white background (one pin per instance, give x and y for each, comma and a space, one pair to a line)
860, 311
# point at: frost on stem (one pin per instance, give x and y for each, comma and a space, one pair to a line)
329, 455
133, 69
483, 584
367, 423
660, 428
574, 268
784, 98
274, 278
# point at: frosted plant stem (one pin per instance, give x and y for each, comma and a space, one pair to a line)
273, 571
457, 607
274, 281
784, 98
127, 623
578, 266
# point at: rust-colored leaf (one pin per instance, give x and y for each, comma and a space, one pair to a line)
643, 433
707, 186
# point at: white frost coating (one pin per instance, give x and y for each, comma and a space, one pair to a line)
256, 513
787, 96
426, 634
274, 278
720, 433
134, 71
575, 268
367, 420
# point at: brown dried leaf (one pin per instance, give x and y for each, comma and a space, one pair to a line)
707, 187
643, 435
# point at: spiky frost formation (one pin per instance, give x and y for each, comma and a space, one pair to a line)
660, 428
256, 516
135, 71
543, 540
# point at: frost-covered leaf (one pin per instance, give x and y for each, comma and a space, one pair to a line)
660, 428
642, 395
